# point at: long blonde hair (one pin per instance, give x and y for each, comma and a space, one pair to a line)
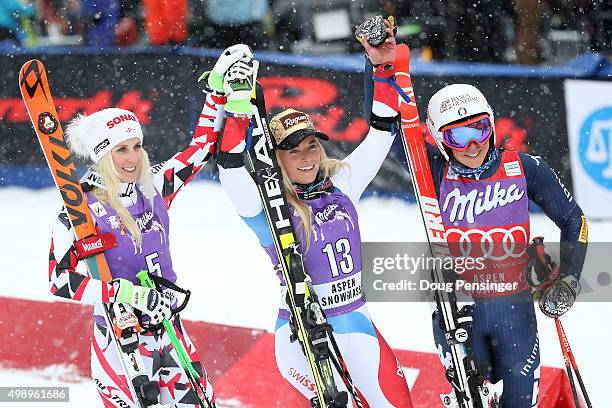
110, 195
329, 167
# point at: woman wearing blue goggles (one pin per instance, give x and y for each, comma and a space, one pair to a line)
458, 136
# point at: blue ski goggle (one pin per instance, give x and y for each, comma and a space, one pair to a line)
459, 135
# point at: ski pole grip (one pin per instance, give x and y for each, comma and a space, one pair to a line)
145, 279
150, 281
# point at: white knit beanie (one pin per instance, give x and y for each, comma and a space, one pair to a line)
91, 137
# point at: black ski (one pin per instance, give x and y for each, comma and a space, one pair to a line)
308, 322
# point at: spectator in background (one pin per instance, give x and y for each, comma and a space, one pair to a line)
528, 19
71, 17
293, 23
166, 21
99, 18
129, 27
479, 35
11, 11
236, 21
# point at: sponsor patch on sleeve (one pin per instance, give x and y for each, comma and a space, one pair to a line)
584, 231
512, 168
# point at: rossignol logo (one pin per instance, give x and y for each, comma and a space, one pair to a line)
461, 335
101, 146
121, 118
477, 202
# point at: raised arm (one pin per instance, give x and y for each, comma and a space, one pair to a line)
382, 105
237, 181
170, 176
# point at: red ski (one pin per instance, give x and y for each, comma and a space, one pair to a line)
470, 389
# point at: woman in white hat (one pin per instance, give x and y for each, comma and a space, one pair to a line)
484, 193
129, 202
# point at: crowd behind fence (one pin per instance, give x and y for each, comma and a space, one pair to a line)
518, 31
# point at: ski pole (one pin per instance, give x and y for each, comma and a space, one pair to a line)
146, 281
568, 356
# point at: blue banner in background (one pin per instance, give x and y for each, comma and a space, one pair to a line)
160, 86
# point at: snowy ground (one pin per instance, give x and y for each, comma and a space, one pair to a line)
219, 259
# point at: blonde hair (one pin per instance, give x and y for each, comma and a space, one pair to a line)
329, 167
110, 195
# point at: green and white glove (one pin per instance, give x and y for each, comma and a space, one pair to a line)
238, 85
231, 55
156, 305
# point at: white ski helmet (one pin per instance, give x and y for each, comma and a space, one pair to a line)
452, 104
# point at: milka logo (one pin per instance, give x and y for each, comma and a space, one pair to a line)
93, 246
323, 216
476, 202
143, 220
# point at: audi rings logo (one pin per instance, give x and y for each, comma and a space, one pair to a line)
496, 244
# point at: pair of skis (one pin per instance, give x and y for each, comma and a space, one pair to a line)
308, 322
469, 387
36, 95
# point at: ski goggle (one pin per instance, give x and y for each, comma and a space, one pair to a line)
459, 135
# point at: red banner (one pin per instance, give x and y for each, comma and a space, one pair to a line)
240, 361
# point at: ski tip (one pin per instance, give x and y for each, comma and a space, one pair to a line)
402, 56
33, 81
36, 62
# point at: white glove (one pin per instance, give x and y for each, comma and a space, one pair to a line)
156, 305
231, 55
238, 85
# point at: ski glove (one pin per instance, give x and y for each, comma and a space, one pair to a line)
238, 85
231, 55
559, 297
157, 305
